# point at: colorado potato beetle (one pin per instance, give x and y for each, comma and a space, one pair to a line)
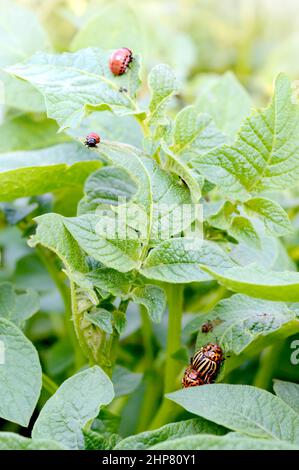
191, 378
204, 366
92, 139
120, 60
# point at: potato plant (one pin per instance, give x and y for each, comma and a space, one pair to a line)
120, 261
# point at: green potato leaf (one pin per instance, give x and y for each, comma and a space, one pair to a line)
169, 433
264, 155
12, 441
242, 408
75, 84
28, 173
288, 392
226, 101
20, 375
77, 401
232, 441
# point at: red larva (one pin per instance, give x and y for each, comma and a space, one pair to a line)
119, 60
92, 139
206, 327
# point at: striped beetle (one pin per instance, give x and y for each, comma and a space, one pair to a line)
204, 366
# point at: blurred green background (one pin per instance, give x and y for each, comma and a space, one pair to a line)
200, 39
256, 39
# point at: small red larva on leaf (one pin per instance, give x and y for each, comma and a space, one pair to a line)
92, 139
119, 60
206, 327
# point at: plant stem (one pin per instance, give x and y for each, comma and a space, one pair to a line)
123, 305
57, 276
151, 379
175, 313
48, 384
109, 347
147, 332
108, 352
76, 316
143, 125
59, 279
206, 303
267, 365
172, 367
150, 400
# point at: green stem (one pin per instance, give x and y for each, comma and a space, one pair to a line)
268, 361
78, 329
48, 384
175, 313
167, 409
108, 352
147, 333
49, 261
150, 400
207, 302
118, 405
109, 346
123, 305
143, 125
151, 378
59, 279
167, 413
